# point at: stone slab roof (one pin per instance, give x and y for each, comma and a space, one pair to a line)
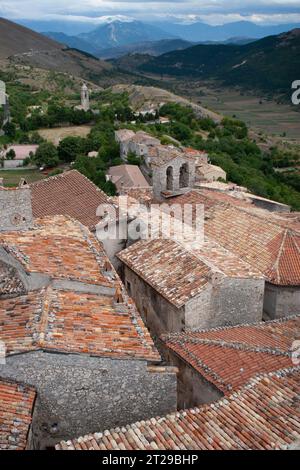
16, 407
263, 415
229, 357
69, 193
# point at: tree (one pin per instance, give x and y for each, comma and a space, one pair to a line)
69, 148
10, 129
11, 155
46, 155
133, 159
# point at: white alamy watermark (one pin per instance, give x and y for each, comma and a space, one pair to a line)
296, 353
296, 94
2, 93
131, 220
2, 353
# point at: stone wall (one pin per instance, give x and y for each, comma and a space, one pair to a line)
281, 302
8, 164
78, 394
271, 206
159, 315
15, 209
226, 302
159, 175
192, 388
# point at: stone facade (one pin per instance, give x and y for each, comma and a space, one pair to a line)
15, 209
230, 301
281, 301
173, 176
192, 388
78, 394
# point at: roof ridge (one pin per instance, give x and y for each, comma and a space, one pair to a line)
239, 346
248, 210
229, 327
277, 261
210, 372
63, 175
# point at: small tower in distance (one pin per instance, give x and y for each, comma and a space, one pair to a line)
4, 101
85, 98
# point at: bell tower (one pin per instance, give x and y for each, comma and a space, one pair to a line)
85, 98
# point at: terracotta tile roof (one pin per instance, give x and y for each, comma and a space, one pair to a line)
225, 261
70, 194
127, 176
141, 195
16, 407
263, 415
85, 309
229, 357
75, 322
170, 269
262, 242
59, 247
179, 273
268, 242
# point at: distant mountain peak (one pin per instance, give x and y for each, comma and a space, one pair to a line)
115, 18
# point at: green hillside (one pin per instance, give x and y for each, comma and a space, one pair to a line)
270, 64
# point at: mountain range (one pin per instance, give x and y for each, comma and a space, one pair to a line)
269, 64
201, 32
122, 32
20, 45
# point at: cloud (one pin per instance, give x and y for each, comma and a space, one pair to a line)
210, 11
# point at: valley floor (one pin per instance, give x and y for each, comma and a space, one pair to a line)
262, 115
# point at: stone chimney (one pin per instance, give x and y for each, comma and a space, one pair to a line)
15, 209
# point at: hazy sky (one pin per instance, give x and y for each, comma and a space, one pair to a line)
210, 11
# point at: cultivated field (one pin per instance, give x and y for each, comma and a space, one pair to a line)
58, 133
12, 177
266, 116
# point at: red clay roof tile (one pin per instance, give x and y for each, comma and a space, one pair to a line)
228, 357
16, 407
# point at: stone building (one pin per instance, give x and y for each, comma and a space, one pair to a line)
216, 362
74, 195
85, 99
269, 242
170, 170
177, 288
15, 208
21, 153
72, 333
127, 176
138, 143
4, 103
263, 415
